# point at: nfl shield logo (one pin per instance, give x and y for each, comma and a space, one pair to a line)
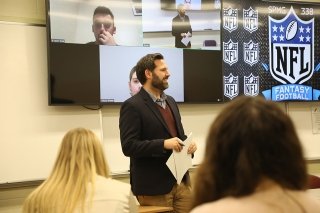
291, 48
250, 20
230, 52
230, 19
251, 85
231, 86
251, 52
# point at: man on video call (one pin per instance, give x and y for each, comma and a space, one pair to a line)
181, 28
103, 26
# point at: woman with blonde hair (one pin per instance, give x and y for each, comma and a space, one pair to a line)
80, 181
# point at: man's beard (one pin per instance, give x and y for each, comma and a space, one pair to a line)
158, 83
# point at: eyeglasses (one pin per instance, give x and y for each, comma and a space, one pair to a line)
106, 25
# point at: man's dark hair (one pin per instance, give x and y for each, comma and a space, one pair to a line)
146, 62
103, 11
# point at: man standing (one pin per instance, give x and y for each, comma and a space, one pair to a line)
150, 128
181, 28
103, 26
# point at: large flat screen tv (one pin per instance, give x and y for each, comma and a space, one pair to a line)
81, 72
271, 48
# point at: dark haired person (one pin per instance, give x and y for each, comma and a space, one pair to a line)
134, 83
150, 129
181, 27
103, 26
253, 162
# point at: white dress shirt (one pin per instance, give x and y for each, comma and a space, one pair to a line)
110, 196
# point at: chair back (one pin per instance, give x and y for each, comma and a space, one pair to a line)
313, 182
209, 43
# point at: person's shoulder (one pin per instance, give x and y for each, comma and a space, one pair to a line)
111, 196
91, 42
175, 17
104, 182
139, 97
220, 205
171, 99
133, 99
308, 201
228, 205
169, 96
135, 103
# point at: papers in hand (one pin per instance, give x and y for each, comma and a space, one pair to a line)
180, 162
185, 40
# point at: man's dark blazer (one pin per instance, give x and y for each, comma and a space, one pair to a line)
178, 27
142, 133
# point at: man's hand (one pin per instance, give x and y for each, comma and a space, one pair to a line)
183, 35
105, 38
174, 144
192, 148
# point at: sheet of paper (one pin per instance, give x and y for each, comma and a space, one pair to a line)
185, 40
180, 162
315, 113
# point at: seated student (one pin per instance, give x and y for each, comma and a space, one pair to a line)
253, 162
79, 181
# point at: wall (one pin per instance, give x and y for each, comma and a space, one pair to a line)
165, 39
31, 11
301, 115
156, 20
31, 130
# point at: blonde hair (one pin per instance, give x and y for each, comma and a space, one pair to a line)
79, 160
